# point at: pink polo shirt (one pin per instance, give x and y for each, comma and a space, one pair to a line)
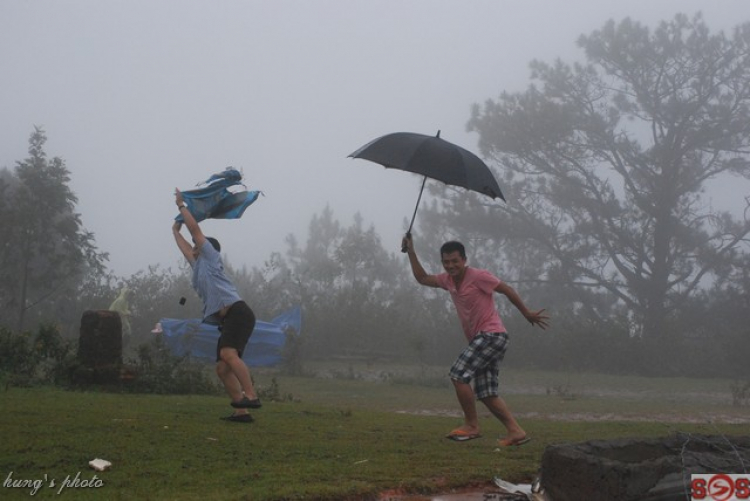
474, 301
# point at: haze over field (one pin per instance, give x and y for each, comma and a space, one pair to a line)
141, 97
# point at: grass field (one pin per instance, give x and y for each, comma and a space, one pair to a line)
325, 438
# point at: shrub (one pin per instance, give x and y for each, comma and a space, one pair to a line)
293, 353
156, 370
272, 393
27, 359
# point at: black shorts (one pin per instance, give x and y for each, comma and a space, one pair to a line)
236, 328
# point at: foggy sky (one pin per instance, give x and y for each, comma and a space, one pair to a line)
140, 97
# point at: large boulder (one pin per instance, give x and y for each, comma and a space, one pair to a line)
656, 469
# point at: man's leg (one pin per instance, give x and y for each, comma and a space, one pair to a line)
237, 375
466, 399
482, 355
231, 384
501, 411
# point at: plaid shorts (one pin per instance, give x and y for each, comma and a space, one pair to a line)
480, 362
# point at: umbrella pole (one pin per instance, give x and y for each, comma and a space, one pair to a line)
408, 232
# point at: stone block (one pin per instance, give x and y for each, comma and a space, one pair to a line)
656, 469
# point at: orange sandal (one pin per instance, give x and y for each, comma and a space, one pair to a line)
460, 435
505, 442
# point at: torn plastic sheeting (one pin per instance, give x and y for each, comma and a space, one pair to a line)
529, 492
214, 200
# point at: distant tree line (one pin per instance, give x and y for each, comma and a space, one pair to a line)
605, 165
609, 163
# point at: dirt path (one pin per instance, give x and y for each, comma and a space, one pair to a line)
593, 417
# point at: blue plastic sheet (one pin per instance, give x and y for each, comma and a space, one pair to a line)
197, 339
215, 201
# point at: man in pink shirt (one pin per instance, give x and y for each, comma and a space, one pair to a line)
472, 292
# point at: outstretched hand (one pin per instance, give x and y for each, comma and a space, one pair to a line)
538, 318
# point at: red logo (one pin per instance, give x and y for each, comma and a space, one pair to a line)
719, 487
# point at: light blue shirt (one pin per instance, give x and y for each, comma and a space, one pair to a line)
211, 283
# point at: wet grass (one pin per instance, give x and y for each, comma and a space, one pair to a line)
334, 439
538, 394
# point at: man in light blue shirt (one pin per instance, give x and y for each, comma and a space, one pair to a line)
223, 306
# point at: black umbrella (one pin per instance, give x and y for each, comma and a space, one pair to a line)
434, 158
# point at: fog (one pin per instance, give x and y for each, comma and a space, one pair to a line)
140, 97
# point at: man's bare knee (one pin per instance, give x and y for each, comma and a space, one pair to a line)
227, 355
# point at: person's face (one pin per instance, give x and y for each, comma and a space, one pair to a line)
454, 264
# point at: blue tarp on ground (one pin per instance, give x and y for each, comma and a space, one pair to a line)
193, 337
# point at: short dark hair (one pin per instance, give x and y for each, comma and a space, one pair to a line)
453, 246
215, 243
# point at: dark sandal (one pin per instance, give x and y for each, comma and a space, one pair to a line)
239, 418
246, 403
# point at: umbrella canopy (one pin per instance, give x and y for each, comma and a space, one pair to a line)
432, 157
